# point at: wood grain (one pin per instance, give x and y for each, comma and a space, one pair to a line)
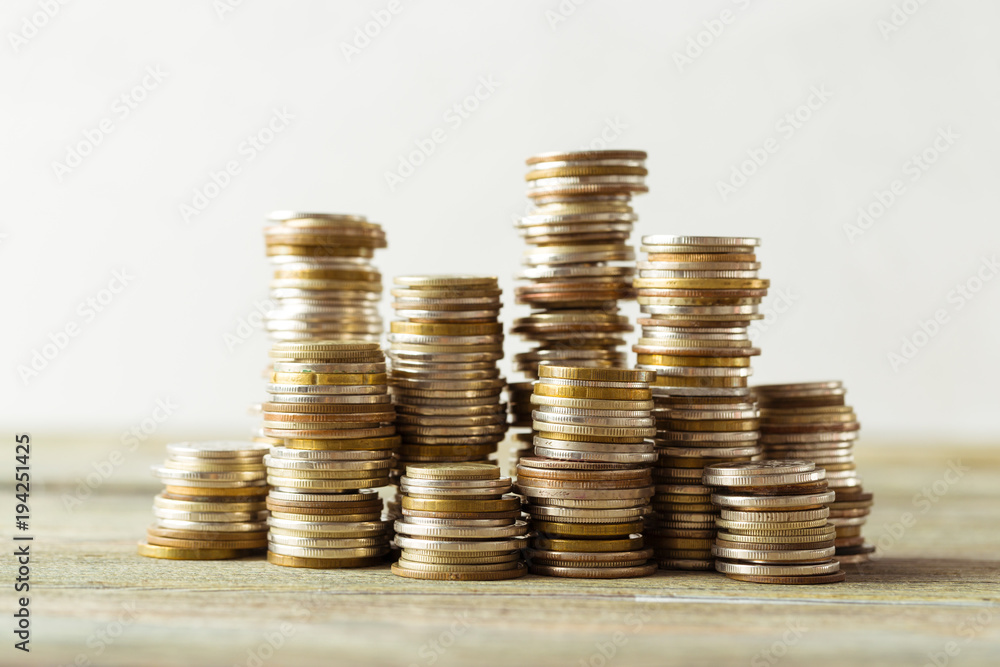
94, 601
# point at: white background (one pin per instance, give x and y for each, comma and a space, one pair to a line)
892, 89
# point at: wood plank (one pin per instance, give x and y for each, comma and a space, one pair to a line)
936, 582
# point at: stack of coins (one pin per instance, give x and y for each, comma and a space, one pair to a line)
589, 483
445, 381
324, 287
698, 295
580, 264
330, 408
521, 437
773, 527
213, 505
459, 523
811, 421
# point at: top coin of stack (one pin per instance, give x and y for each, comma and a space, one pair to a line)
773, 527
458, 524
324, 285
578, 266
330, 407
811, 421
589, 484
445, 380
699, 294
213, 505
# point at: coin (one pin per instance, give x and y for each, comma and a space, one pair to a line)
177, 553
451, 575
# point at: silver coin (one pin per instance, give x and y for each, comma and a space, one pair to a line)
215, 526
328, 542
227, 477
569, 455
274, 463
487, 546
327, 389
366, 399
308, 367
295, 495
308, 552
219, 449
574, 420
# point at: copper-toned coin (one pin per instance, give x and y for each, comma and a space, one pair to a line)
323, 563
513, 573
595, 572
836, 577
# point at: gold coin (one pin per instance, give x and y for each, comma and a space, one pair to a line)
631, 543
323, 563
346, 444
507, 503
561, 529
155, 540
329, 378
175, 553
512, 573
702, 283
595, 374
593, 393
445, 329
466, 470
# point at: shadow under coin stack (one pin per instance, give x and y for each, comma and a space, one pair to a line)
698, 295
589, 483
445, 381
811, 421
213, 505
330, 407
580, 263
324, 286
459, 523
773, 526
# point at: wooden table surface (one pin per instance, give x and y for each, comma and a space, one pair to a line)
931, 598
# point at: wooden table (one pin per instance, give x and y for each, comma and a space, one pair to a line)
931, 598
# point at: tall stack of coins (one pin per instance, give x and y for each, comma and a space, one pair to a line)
811, 421
445, 381
213, 505
773, 527
324, 286
330, 408
459, 523
579, 264
698, 295
589, 483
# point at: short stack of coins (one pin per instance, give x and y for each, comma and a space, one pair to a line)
458, 523
445, 380
213, 505
773, 526
811, 421
698, 296
579, 264
588, 486
330, 407
324, 286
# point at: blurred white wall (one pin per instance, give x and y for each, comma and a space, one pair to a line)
94, 183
